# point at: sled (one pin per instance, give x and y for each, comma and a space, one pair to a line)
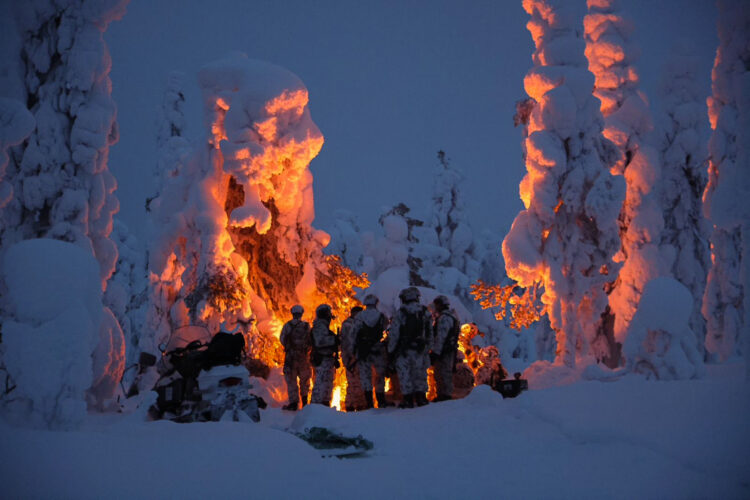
331, 444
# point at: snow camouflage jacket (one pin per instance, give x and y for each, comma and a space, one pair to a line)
325, 342
369, 327
446, 333
296, 338
401, 318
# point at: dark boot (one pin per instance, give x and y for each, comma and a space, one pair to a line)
368, 400
382, 402
408, 401
420, 398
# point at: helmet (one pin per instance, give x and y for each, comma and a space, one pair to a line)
229, 326
410, 294
324, 311
355, 310
370, 300
441, 302
297, 309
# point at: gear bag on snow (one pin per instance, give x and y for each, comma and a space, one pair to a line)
411, 332
367, 337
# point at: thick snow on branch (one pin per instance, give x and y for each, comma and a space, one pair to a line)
565, 238
62, 186
726, 304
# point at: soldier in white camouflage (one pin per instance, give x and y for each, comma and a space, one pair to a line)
324, 355
297, 341
355, 397
408, 337
370, 351
444, 347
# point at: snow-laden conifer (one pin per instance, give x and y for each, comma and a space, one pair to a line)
62, 189
627, 123
566, 236
683, 153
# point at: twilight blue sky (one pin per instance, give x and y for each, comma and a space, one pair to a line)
390, 82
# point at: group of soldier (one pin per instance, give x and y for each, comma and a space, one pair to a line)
370, 348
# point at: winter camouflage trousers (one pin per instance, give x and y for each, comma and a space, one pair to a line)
355, 397
374, 362
444, 373
411, 367
323, 386
294, 369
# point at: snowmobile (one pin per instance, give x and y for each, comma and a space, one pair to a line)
202, 378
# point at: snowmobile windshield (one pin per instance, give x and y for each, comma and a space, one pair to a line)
184, 335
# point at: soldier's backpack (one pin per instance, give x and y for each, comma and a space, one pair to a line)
367, 337
300, 338
411, 332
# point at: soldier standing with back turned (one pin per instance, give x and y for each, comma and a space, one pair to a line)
444, 347
324, 355
370, 351
408, 335
355, 398
296, 339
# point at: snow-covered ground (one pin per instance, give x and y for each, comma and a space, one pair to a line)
622, 439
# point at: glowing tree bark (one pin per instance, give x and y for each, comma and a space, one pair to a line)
565, 238
726, 303
683, 179
62, 187
627, 122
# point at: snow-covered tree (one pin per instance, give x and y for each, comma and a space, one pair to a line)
726, 304
446, 245
62, 188
683, 152
628, 122
448, 219
234, 226
173, 174
565, 238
